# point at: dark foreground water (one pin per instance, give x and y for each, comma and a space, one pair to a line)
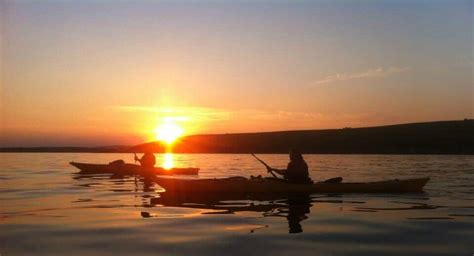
47, 209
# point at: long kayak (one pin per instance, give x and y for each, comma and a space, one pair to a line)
270, 185
130, 169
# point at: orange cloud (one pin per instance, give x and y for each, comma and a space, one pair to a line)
371, 73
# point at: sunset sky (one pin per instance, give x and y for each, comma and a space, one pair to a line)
109, 72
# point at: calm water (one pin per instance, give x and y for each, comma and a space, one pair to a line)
47, 209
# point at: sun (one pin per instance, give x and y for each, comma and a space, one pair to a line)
168, 131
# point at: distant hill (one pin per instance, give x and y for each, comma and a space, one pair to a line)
444, 137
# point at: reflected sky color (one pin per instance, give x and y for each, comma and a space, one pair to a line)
102, 71
47, 206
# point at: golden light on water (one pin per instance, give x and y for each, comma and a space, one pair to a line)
168, 162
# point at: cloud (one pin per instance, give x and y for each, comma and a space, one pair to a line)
371, 73
222, 120
201, 113
229, 117
220, 114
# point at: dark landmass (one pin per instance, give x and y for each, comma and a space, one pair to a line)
444, 137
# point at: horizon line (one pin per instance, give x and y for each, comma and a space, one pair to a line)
237, 133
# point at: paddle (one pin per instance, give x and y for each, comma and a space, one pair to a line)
269, 169
333, 180
135, 158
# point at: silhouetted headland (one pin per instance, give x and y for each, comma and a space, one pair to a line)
443, 137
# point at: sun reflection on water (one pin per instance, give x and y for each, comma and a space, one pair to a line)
168, 162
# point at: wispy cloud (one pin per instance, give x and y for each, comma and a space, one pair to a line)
220, 114
221, 120
202, 113
371, 73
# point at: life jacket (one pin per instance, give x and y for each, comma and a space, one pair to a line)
297, 172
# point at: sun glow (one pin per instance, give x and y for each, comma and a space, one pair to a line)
168, 131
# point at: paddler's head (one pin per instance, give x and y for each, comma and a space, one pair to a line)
295, 155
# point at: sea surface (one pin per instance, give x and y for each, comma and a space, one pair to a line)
46, 208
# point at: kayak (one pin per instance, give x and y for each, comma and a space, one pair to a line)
130, 169
271, 185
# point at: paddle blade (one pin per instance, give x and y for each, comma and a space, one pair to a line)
334, 180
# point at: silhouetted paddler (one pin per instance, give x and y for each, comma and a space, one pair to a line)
297, 170
148, 159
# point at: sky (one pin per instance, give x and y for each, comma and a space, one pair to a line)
87, 73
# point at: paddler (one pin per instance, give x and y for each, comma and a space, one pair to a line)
297, 170
148, 159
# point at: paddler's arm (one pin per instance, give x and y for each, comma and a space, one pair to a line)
278, 171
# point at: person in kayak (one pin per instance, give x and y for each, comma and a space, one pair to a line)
297, 170
148, 159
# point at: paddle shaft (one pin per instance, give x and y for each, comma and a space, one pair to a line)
266, 165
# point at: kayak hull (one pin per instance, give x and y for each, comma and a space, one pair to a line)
130, 169
244, 185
